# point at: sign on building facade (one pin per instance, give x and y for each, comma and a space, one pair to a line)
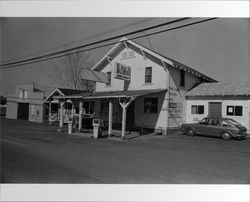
122, 72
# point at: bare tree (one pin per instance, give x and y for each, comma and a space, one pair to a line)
69, 74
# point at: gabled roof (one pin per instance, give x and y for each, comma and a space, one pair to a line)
221, 89
67, 91
124, 42
63, 92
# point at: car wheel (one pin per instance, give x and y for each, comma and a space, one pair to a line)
226, 136
190, 132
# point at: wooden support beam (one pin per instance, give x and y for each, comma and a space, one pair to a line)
110, 117
61, 116
125, 44
50, 120
144, 56
73, 110
124, 106
164, 65
109, 59
80, 115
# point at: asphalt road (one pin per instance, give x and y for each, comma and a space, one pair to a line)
35, 153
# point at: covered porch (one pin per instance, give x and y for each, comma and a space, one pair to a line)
115, 108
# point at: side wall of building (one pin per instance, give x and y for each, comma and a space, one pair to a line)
34, 99
177, 100
11, 111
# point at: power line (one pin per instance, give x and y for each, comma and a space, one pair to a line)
112, 43
96, 42
78, 41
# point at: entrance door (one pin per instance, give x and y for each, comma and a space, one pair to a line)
23, 111
214, 109
131, 115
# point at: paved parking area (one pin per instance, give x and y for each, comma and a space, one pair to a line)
36, 153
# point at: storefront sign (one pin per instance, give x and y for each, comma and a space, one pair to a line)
122, 72
175, 109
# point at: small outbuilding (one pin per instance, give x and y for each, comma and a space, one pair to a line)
53, 105
231, 100
26, 103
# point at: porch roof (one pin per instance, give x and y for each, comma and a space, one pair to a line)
120, 94
114, 94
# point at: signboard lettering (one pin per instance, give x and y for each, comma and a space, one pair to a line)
122, 72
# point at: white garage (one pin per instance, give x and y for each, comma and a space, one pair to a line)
231, 100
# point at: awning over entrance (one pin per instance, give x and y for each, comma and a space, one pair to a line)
123, 94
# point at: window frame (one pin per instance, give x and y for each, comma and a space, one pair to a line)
151, 108
104, 105
109, 78
234, 112
148, 76
197, 107
90, 107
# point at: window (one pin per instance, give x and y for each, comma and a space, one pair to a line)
150, 105
148, 74
197, 109
23, 94
225, 124
125, 55
182, 83
109, 79
131, 54
89, 107
104, 105
215, 122
234, 110
205, 121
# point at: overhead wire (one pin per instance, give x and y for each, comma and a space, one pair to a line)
78, 41
42, 58
96, 42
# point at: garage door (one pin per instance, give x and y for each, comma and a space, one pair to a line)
23, 111
215, 109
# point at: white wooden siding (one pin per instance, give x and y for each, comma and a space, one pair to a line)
244, 119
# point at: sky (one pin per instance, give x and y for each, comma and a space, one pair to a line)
218, 48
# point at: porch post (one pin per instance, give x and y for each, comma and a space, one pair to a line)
110, 117
124, 115
50, 120
124, 106
72, 109
80, 115
61, 116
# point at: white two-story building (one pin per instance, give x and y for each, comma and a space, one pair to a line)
144, 88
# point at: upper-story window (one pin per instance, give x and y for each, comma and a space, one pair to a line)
109, 79
23, 94
182, 75
125, 55
148, 75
